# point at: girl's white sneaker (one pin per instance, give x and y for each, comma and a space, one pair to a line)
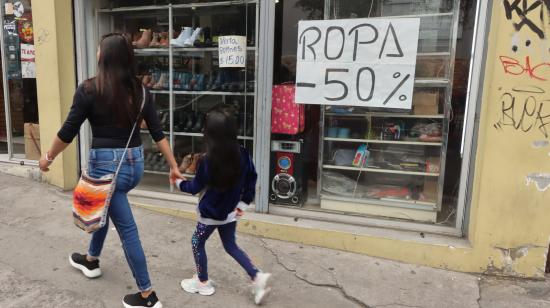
261, 287
194, 285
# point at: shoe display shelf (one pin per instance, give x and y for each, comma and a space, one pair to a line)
403, 169
177, 57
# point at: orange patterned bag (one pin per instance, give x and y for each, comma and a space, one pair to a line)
91, 197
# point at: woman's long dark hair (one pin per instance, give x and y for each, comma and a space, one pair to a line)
222, 148
116, 83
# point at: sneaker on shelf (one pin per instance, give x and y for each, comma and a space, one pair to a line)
185, 34
190, 42
90, 269
261, 287
194, 285
137, 301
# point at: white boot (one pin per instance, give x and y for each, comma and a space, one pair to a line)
185, 34
190, 42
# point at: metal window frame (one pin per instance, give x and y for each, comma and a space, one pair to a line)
83, 61
474, 94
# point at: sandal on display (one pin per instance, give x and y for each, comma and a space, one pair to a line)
193, 167
145, 39
155, 42
186, 163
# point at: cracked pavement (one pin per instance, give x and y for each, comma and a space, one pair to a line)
37, 236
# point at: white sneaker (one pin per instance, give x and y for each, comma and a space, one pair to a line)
190, 42
261, 289
194, 285
185, 34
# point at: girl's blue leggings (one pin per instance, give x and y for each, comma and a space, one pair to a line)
227, 235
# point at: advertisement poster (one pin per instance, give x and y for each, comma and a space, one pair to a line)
357, 62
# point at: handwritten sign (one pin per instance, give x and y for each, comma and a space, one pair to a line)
357, 62
232, 51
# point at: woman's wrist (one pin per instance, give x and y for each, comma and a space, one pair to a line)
49, 157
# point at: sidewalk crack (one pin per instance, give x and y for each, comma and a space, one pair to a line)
479, 291
336, 286
397, 304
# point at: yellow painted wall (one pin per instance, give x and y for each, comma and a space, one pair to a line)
55, 75
510, 219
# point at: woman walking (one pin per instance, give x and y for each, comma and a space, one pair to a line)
112, 101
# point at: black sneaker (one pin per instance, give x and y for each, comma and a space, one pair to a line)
89, 269
137, 301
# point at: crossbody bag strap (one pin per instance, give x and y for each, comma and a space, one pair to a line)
132, 133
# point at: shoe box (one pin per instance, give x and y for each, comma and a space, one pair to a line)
426, 102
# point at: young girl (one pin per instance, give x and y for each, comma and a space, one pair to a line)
227, 178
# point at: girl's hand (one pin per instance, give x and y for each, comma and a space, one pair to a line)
44, 164
240, 213
175, 174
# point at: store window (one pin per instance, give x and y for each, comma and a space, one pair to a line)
191, 56
19, 129
383, 162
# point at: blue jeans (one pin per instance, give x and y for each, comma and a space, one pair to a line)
227, 235
105, 161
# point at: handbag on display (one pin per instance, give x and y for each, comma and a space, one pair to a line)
287, 117
92, 196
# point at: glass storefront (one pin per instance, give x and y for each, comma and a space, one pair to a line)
19, 125
410, 159
193, 55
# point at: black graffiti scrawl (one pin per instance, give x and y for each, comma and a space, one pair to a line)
531, 14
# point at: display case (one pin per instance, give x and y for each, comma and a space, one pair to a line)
387, 162
178, 59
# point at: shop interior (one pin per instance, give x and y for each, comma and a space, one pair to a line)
183, 71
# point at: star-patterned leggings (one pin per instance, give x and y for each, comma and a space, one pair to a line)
227, 235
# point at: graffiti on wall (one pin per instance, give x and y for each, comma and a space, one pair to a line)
530, 14
525, 67
524, 105
522, 111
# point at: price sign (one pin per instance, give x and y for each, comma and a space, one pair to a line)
232, 51
357, 62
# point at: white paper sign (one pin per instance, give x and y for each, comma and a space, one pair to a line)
357, 62
232, 51
28, 66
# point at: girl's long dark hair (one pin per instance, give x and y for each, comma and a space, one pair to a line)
222, 148
116, 83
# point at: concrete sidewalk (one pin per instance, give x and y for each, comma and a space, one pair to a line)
37, 236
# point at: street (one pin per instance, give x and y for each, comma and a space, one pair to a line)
37, 235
